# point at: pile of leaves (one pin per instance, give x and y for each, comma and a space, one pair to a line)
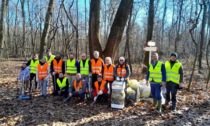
193, 108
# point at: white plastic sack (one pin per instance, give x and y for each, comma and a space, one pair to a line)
144, 89
134, 84
162, 98
130, 93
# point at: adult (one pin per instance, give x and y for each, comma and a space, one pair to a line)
63, 85
57, 66
156, 75
49, 57
42, 76
78, 87
174, 79
85, 70
71, 68
122, 70
96, 67
108, 73
33, 63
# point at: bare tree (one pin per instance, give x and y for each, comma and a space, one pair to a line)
46, 27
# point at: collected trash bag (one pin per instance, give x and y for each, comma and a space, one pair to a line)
144, 90
130, 93
118, 97
162, 98
134, 84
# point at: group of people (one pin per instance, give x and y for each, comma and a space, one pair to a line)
76, 78
92, 77
167, 75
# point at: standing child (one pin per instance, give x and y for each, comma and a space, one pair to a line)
24, 75
42, 76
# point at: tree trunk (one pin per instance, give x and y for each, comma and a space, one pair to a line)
149, 30
94, 27
202, 35
117, 28
3, 13
46, 28
24, 27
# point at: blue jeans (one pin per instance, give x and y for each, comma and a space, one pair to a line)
155, 91
171, 89
80, 95
43, 84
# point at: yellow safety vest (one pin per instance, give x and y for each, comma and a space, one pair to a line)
155, 74
50, 59
63, 84
33, 66
84, 70
70, 66
172, 74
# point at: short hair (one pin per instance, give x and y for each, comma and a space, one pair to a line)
110, 60
96, 52
155, 54
122, 58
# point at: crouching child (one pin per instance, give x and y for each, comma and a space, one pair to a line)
100, 93
78, 87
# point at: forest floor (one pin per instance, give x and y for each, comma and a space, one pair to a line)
193, 107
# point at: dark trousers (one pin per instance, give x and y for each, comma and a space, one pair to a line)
55, 85
94, 79
80, 95
171, 89
32, 77
155, 90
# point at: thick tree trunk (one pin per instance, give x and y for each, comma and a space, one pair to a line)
202, 35
94, 27
149, 30
46, 28
3, 13
117, 28
24, 27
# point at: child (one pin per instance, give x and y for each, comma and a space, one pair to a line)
24, 75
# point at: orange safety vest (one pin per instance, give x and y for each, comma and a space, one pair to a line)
77, 86
96, 66
102, 86
121, 71
109, 73
57, 66
42, 71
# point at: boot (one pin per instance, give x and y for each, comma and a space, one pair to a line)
173, 106
159, 106
154, 102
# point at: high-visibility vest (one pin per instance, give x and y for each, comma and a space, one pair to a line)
61, 84
155, 74
121, 71
84, 69
50, 59
70, 66
42, 71
108, 73
96, 66
78, 86
102, 86
172, 74
57, 66
33, 66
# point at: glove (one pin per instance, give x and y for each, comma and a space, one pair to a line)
70, 94
163, 84
100, 92
163, 89
118, 79
59, 92
122, 79
95, 98
180, 86
53, 73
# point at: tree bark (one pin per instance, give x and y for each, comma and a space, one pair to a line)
3, 13
150, 25
46, 28
117, 28
202, 35
94, 27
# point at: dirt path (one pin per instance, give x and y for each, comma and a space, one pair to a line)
193, 108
